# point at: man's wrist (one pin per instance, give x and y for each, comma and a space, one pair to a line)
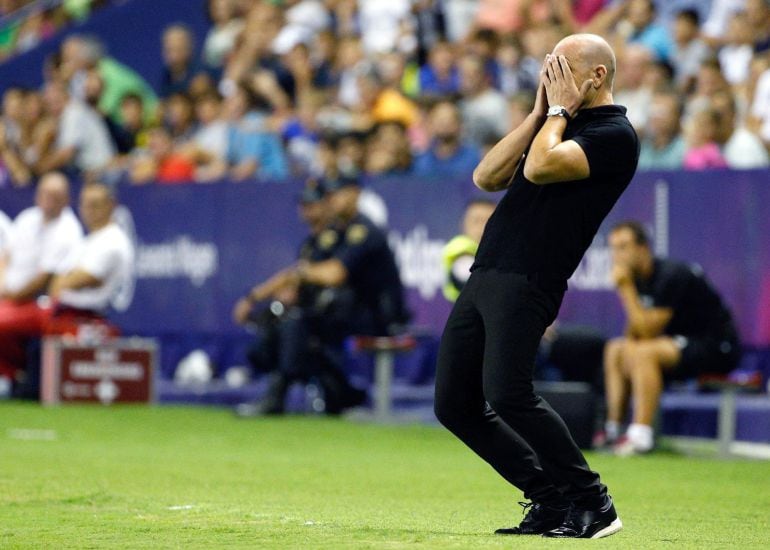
627, 288
300, 272
558, 110
572, 110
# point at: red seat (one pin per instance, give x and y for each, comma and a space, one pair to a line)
384, 349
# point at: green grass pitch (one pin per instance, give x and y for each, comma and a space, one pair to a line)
177, 477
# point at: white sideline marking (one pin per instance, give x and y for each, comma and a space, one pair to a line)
181, 507
745, 449
750, 449
30, 434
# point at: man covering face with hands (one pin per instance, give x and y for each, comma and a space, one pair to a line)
564, 168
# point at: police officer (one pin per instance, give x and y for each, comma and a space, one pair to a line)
300, 327
362, 261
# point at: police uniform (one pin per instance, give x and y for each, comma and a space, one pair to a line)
373, 277
303, 341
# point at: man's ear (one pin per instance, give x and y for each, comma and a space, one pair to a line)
600, 75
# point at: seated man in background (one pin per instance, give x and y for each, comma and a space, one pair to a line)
363, 261
300, 328
677, 327
97, 269
101, 266
39, 241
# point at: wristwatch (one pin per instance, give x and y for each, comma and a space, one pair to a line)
559, 110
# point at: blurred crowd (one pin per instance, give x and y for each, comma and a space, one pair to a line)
291, 88
26, 23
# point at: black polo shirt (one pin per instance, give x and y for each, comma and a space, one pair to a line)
544, 230
698, 311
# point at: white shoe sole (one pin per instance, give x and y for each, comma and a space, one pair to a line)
611, 529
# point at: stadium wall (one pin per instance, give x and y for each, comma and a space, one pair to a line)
201, 247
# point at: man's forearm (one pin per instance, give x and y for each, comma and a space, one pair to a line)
274, 284
635, 312
56, 160
330, 273
550, 135
76, 279
31, 290
496, 169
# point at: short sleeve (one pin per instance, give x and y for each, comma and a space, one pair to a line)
611, 148
358, 245
672, 289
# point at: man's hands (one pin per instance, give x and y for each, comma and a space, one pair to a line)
281, 285
541, 101
560, 88
241, 310
621, 275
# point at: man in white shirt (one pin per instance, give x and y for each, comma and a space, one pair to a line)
741, 148
386, 25
484, 110
40, 240
98, 269
104, 262
83, 140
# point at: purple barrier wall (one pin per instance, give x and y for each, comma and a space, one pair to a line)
201, 246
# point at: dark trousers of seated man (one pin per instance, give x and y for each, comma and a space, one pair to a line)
299, 346
485, 396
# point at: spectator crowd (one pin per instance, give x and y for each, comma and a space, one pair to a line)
26, 23
296, 88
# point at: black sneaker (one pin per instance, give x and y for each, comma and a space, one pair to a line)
538, 519
588, 524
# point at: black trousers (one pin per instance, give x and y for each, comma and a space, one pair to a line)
484, 392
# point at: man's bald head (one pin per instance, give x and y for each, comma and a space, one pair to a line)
586, 53
53, 194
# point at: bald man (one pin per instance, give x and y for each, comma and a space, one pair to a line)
39, 242
563, 168
82, 291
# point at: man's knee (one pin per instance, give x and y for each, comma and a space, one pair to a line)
456, 412
444, 413
648, 355
452, 417
511, 398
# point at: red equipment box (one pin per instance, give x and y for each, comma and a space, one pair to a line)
119, 370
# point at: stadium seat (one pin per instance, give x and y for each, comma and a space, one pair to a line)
384, 349
728, 386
